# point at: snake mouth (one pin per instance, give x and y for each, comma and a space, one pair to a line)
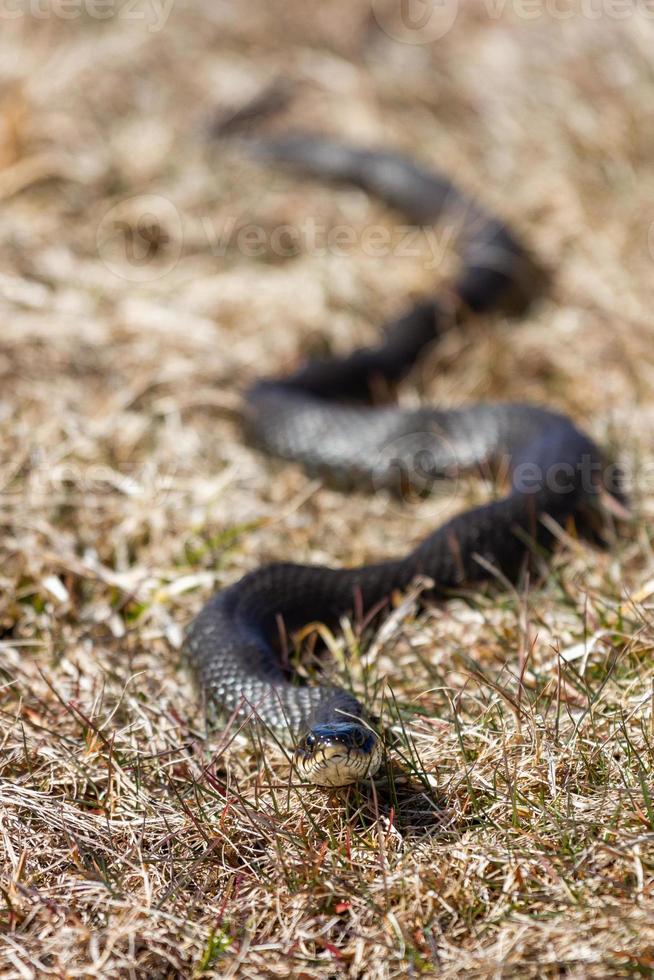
338, 754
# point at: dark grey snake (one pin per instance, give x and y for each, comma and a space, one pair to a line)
322, 416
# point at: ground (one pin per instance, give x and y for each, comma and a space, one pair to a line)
147, 274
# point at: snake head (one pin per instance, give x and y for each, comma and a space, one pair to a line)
339, 753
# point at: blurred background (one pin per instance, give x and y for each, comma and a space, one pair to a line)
148, 271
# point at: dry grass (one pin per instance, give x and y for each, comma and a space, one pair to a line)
519, 841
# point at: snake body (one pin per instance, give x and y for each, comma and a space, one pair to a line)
322, 417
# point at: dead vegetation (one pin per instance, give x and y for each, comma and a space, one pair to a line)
513, 834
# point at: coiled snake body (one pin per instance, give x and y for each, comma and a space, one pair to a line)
321, 416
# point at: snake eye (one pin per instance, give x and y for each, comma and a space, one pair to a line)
310, 741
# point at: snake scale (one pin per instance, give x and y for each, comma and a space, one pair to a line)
323, 417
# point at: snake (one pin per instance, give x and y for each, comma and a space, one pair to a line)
326, 416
